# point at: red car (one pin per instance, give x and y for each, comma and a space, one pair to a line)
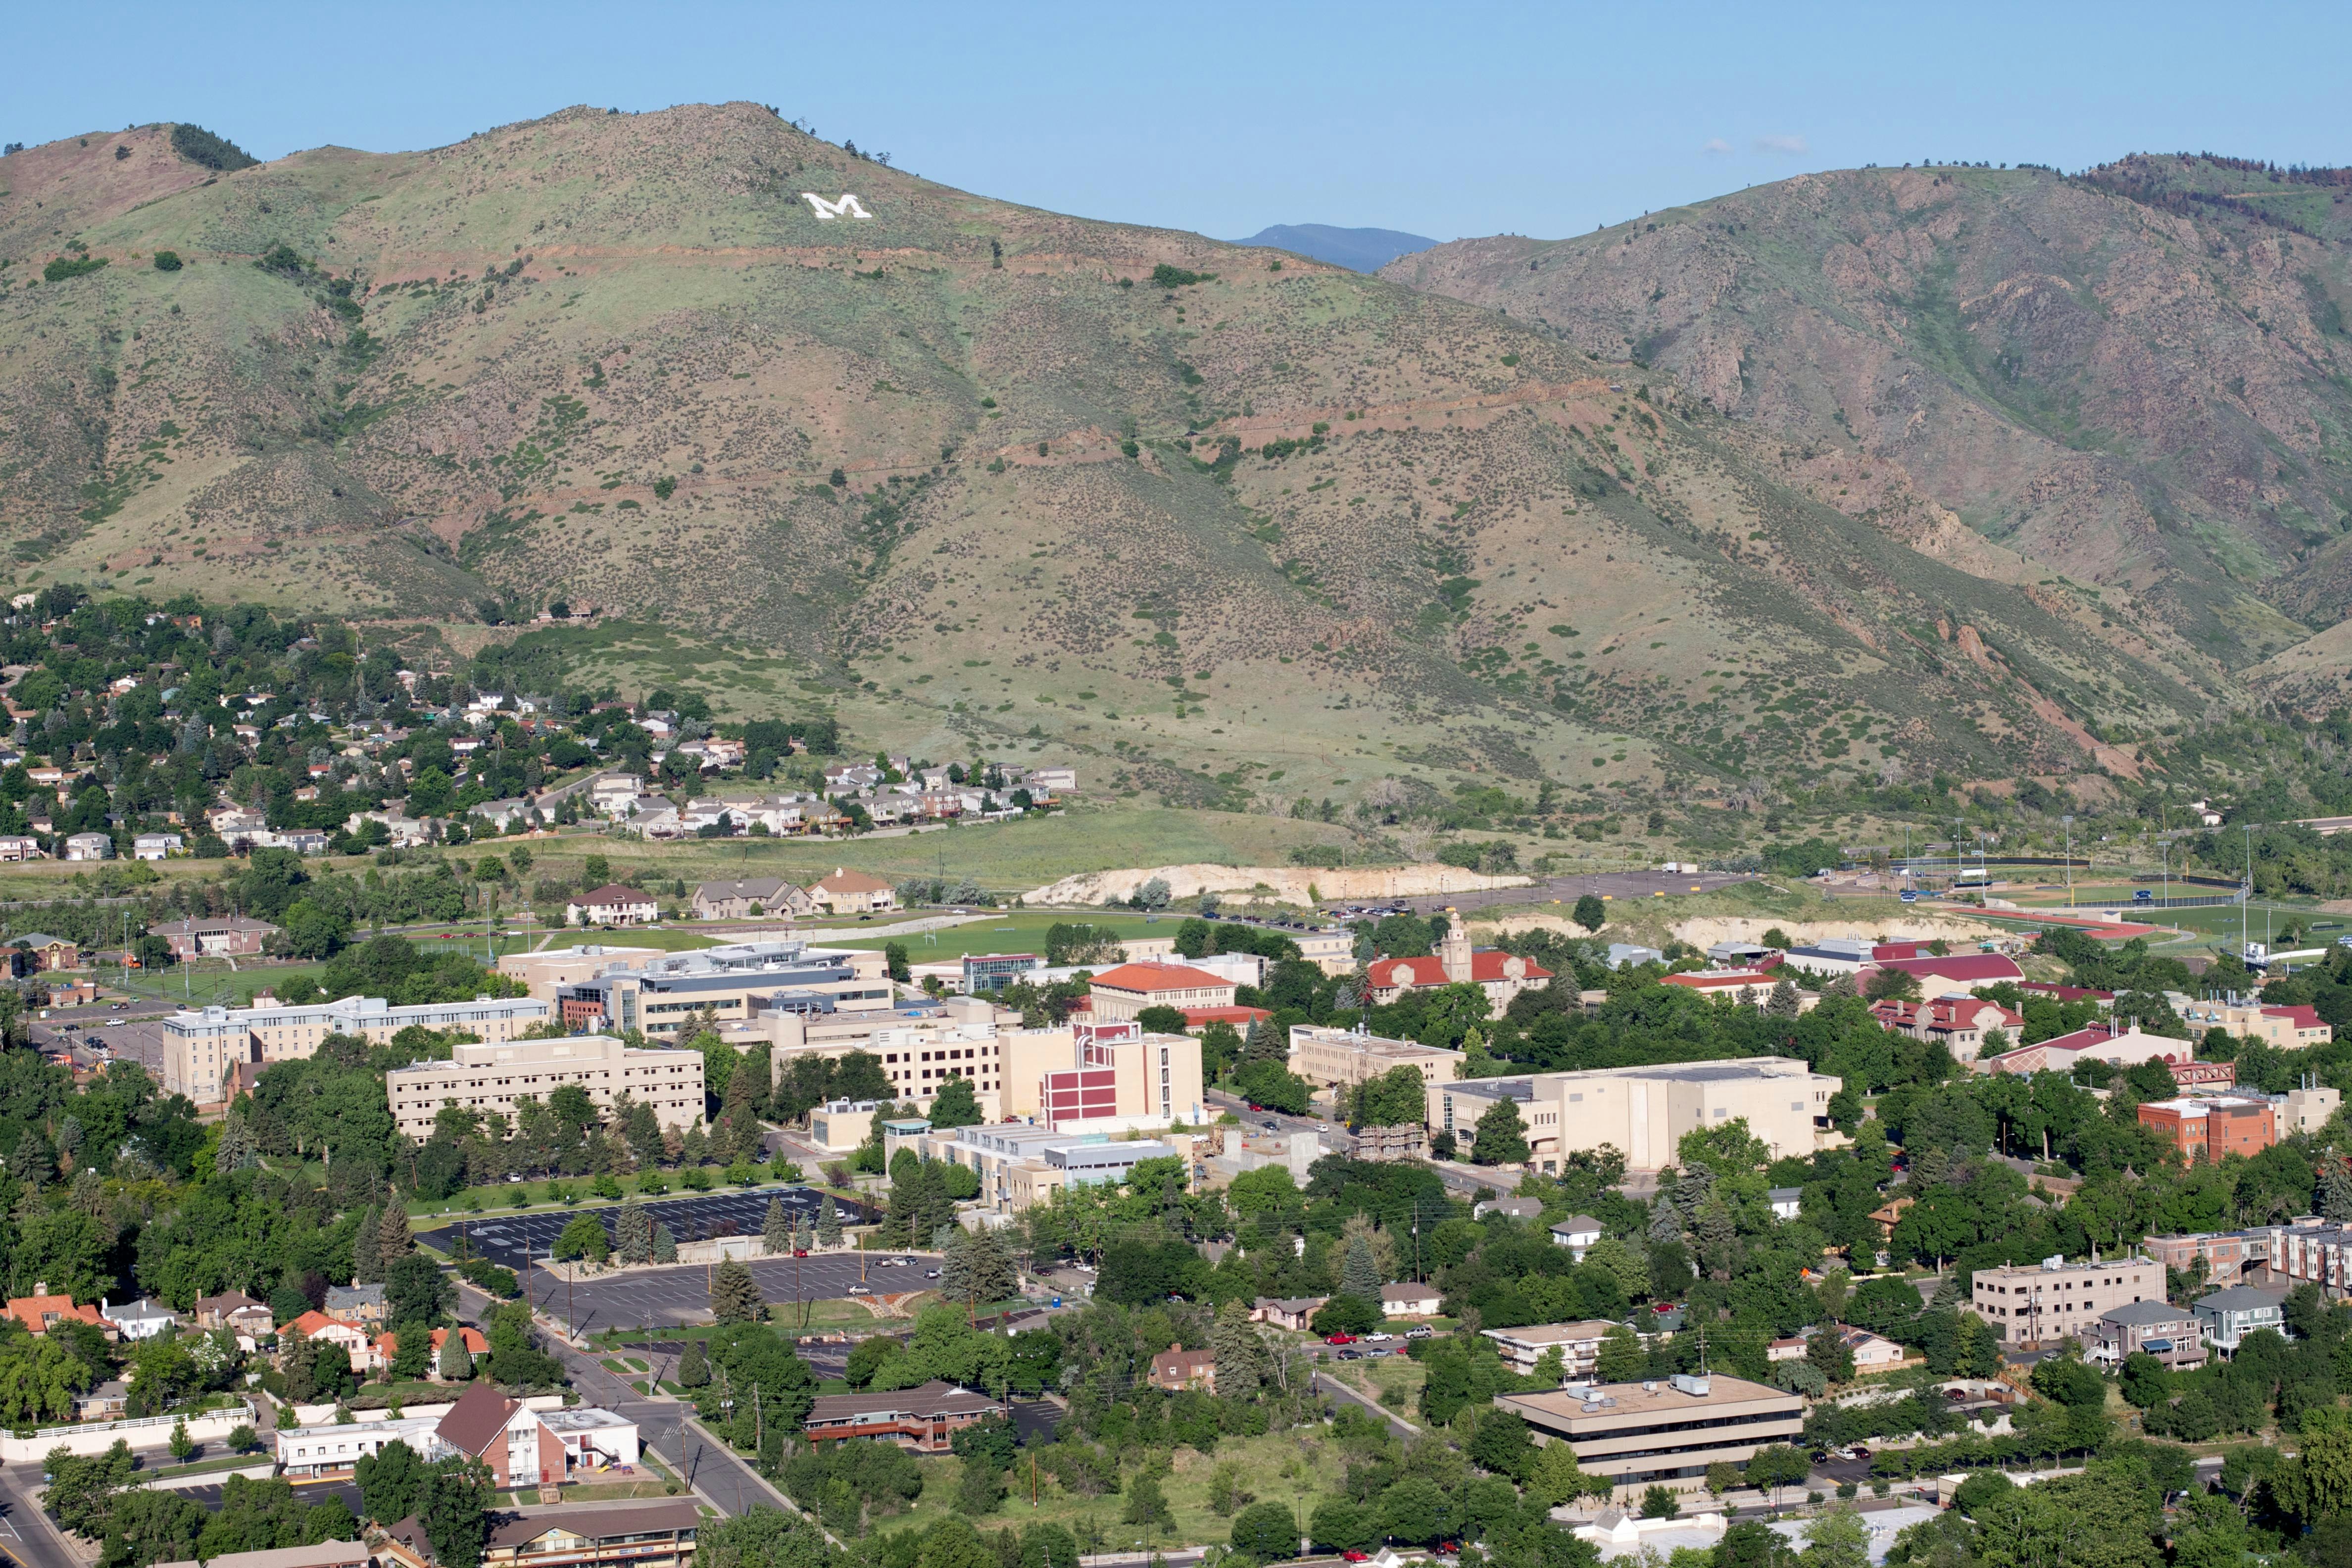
1340, 1339
1353, 1555
800, 1252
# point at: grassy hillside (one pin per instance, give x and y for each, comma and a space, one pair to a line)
2147, 391
1234, 529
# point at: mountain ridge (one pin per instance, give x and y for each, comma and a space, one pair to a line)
1358, 249
1247, 530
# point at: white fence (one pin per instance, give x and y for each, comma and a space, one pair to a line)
139, 1431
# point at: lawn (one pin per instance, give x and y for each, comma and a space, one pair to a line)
1394, 1381
1296, 1469
1018, 930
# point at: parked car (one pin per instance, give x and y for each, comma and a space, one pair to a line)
800, 1252
860, 1288
1353, 1555
1352, 1355
930, 1273
1340, 1339
1420, 1331
1380, 1337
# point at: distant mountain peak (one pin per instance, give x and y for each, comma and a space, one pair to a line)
1361, 250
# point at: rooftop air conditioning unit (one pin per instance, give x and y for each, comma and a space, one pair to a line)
1695, 1384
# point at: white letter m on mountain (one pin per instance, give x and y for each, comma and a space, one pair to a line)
847, 207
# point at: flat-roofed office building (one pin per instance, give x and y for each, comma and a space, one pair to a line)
1664, 1433
1643, 1111
202, 1046
1333, 1058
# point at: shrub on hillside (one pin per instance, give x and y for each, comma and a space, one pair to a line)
198, 145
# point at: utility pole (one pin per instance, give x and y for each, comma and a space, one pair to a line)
2067, 821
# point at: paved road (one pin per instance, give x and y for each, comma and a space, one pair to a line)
26, 1534
1337, 1140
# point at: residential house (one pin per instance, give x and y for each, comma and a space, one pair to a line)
1578, 1232
326, 1554
158, 846
2116, 1045
640, 1534
847, 892
1787, 1202
750, 898
1501, 976
140, 1320
354, 1339
235, 1311
1871, 1353
355, 1303
15, 847
89, 846
1406, 1300
1177, 1367
40, 1312
612, 905
1292, 1313
923, 1420
1515, 1208
2227, 1316
387, 1346
2159, 1329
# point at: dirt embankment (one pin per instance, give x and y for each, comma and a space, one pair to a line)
1278, 884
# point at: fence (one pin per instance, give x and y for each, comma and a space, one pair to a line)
139, 1431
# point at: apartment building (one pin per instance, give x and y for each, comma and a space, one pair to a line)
1118, 1078
670, 992
1664, 1433
2225, 1254
492, 1076
1643, 1111
1337, 1058
2031, 1305
2288, 1028
201, 1047
1578, 1345
2207, 1127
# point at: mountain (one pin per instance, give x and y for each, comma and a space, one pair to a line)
1358, 249
2140, 378
1231, 527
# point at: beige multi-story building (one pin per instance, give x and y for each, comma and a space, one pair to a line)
920, 1044
2054, 1301
1643, 1111
1339, 1058
674, 992
201, 1047
1578, 1345
489, 1077
1664, 1433
551, 968
1125, 990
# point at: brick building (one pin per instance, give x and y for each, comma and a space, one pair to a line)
2210, 1126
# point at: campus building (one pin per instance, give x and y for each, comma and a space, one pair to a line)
490, 1077
201, 1047
1020, 1165
1336, 1059
1643, 1111
673, 992
2027, 1304
1661, 1433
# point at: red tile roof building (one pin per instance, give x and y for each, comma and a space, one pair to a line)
1959, 970
1125, 990
1502, 976
39, 1314
1959, 1024
2106, 1042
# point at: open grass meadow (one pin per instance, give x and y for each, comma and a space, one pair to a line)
1297, 1468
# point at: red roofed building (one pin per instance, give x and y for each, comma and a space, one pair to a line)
40, 1312
1958, 969
387, 1345
1125, 990
1502, 976
2101, 1042
1241, 1018
1959, 1024
316, 1325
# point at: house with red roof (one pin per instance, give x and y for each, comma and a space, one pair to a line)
1959, 1024
1502, 976
40, 1312
354, 1339
387, 1345
1124, 990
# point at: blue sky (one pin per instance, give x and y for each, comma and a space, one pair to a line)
1441, 120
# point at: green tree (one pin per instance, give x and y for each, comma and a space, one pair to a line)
1147, 1508
1828, 1354
582, 1237
1837, 1538
454, 1508
1660, 1502
390, 1482
735, 1295
415, 1290
954, 1105
776, 1229
456, 1360
1502, 1136
979, 1488
1266, 1532
693, 1366
1591, 912
1359, 1275
182, 1445
1396, 1098
828, 1222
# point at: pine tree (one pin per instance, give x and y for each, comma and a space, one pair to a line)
1665, 1220
1782, 1003
2336, 1194
237, 1150
804, 1237
665, 1244
694, 1366
1359, 1276
776, 1229
1240, 1352
976, 1268
828, 1222
1266, 1044
456, 1360
367, 1255
637, 1233
735, 1296
392, 1241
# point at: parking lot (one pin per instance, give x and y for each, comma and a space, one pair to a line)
514, 1240
680, 1297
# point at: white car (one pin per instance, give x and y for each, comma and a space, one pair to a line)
860, 1291
1378, 1338
1322, 1127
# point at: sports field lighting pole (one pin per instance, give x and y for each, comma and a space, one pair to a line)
2067, 822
